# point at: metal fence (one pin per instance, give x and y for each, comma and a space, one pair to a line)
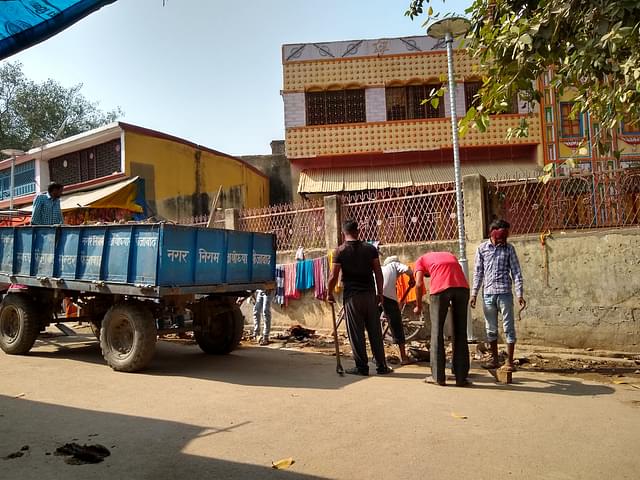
202, 220
404, 215
294, 225
588, 200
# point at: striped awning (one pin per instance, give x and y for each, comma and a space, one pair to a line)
331, 180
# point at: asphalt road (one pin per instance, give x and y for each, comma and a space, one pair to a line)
193, 416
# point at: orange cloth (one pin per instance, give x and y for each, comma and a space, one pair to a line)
70, 308
402, 285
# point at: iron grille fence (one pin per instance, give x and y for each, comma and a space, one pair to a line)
603, 199
404, 215
294, 225
201, 220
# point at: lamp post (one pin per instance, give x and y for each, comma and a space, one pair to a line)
13, 153
447, 29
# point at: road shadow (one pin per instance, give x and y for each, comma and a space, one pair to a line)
81, 348
527, 384
141, 448
248, 365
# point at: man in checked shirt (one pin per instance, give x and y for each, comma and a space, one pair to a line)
497, 267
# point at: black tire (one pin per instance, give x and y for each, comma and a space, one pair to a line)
95, 328
219, 326
128, 337
412, 325
19, 324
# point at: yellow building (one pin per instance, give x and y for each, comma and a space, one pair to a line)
181, 178
355, 117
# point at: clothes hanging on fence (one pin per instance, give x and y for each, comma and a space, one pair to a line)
304, 275
338, 288
320, 273
402, 285
290, 290
279, 298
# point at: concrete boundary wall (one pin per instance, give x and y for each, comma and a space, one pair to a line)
584, 291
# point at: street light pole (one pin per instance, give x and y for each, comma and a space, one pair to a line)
447, 29
11, 188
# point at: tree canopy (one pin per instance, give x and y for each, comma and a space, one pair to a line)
33, 113
591, 46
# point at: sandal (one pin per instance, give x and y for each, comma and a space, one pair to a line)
409, 360
384, 370
433, 381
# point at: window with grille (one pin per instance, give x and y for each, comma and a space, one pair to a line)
569, 126
405, 103
335, 106
24, 180
470, 94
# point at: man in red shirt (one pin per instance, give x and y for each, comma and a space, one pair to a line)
448, 287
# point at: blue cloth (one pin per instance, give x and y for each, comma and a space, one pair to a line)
496, 266
46, 210
304, 275
24, 23
502, 302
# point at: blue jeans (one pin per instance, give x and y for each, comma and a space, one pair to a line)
262, 308
493, 303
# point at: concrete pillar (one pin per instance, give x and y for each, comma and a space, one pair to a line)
332, 221
231, 216
475, 207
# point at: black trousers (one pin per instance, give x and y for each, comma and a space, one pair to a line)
361, 312
458, 299
394, 316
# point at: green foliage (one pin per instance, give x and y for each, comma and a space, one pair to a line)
592, 47
33, 113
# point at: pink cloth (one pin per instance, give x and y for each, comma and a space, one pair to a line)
320, 273
290, 282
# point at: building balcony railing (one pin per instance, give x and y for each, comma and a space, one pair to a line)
402, 136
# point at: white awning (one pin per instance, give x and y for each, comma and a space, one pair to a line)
330, 180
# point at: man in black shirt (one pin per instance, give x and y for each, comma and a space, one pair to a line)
359, 263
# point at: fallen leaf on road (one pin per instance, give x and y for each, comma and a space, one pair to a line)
458, 416
620, 382
284, 463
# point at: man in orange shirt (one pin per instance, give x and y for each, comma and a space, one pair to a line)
448, 287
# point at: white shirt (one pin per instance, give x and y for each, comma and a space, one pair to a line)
391, 269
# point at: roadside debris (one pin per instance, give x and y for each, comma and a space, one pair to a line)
283, 463
82, 454
459, 416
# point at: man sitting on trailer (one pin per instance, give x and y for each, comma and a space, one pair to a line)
46, 206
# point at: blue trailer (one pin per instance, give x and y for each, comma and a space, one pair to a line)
133, 282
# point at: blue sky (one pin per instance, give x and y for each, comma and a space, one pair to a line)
206, 70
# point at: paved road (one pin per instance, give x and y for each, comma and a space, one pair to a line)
192, 416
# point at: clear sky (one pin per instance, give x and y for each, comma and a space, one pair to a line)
209, 71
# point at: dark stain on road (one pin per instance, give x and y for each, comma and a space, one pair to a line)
82, 454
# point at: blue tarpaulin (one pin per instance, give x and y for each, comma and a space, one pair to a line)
24, 23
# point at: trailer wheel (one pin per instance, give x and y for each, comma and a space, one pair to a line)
219, 327
19, 324
95, 328
128, 337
